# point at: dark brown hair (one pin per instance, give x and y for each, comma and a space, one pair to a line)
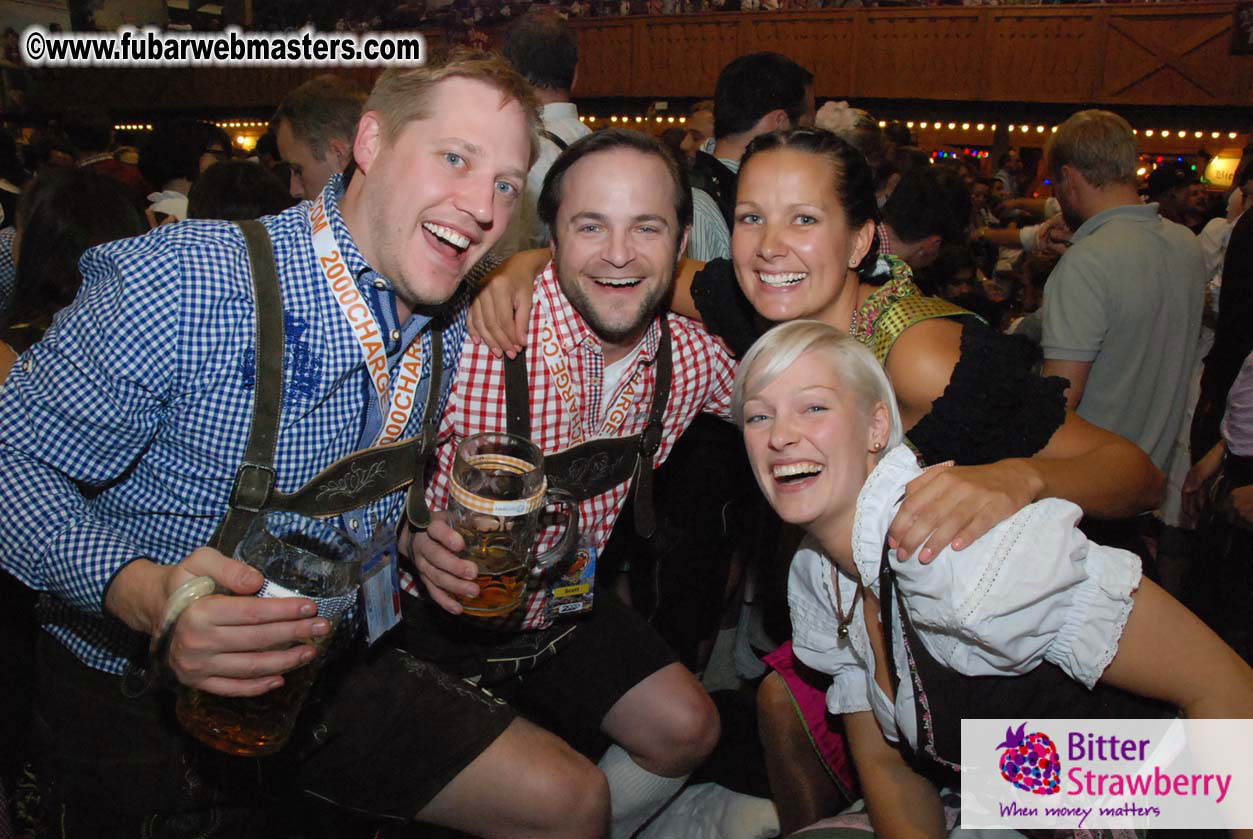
608, 140
62, 213
853, 178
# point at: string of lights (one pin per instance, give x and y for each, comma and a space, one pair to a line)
951, 126
147, 126
253, 128
924, 125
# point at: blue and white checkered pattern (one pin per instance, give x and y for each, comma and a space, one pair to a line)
121, 431
8, 270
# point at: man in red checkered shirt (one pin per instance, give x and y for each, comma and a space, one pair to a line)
619, 209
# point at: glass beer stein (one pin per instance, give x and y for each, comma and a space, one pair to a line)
299, 557
498, 490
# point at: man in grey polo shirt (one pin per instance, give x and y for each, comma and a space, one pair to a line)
1122, 310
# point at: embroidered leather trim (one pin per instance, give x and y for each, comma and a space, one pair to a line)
351, 484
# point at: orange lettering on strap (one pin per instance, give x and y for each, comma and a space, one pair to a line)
343, 286
377, 359
317, 217
408, 376
618, 413
365, 328
561, 374
559, 369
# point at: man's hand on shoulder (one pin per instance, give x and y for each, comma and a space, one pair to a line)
501, 311
952, 506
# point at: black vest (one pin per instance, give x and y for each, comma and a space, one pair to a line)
710, 174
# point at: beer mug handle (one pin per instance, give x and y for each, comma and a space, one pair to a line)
560, 497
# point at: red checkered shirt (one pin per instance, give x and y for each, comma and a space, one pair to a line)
704, 372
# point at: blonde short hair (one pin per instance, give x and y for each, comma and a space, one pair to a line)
854, 365
403, 94
1099, 144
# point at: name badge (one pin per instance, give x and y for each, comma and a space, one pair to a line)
380, 585
572, 590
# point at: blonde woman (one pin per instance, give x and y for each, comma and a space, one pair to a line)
1051, 623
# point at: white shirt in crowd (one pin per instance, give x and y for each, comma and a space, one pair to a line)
525, 229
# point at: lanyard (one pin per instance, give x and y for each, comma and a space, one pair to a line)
559, 368
397, 407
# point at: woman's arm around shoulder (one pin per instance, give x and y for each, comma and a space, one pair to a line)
920, 365
1103, 473
501, 310
948, 505
681, 302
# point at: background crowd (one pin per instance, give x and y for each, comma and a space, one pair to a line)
983, 233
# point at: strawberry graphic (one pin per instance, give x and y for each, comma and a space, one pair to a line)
1030, 762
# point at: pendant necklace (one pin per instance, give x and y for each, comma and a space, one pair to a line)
844, 620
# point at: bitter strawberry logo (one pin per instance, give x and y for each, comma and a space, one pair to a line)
1030, 762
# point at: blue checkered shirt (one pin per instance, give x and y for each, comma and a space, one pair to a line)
121, 431
8, 270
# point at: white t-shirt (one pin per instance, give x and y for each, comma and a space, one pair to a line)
614, 374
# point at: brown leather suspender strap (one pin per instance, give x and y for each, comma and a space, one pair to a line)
650, 437
255, 477
561, 144
351, 481
595, 466
887, 593
517, 396
365, 475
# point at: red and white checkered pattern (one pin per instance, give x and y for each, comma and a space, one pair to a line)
704, 372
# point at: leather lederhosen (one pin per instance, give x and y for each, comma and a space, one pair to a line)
348, 483
942, 697
590, 468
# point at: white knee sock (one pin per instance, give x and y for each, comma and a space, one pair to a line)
708, 811
634, 793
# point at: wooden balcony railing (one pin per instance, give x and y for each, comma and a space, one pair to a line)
1136, 54
1156, 54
